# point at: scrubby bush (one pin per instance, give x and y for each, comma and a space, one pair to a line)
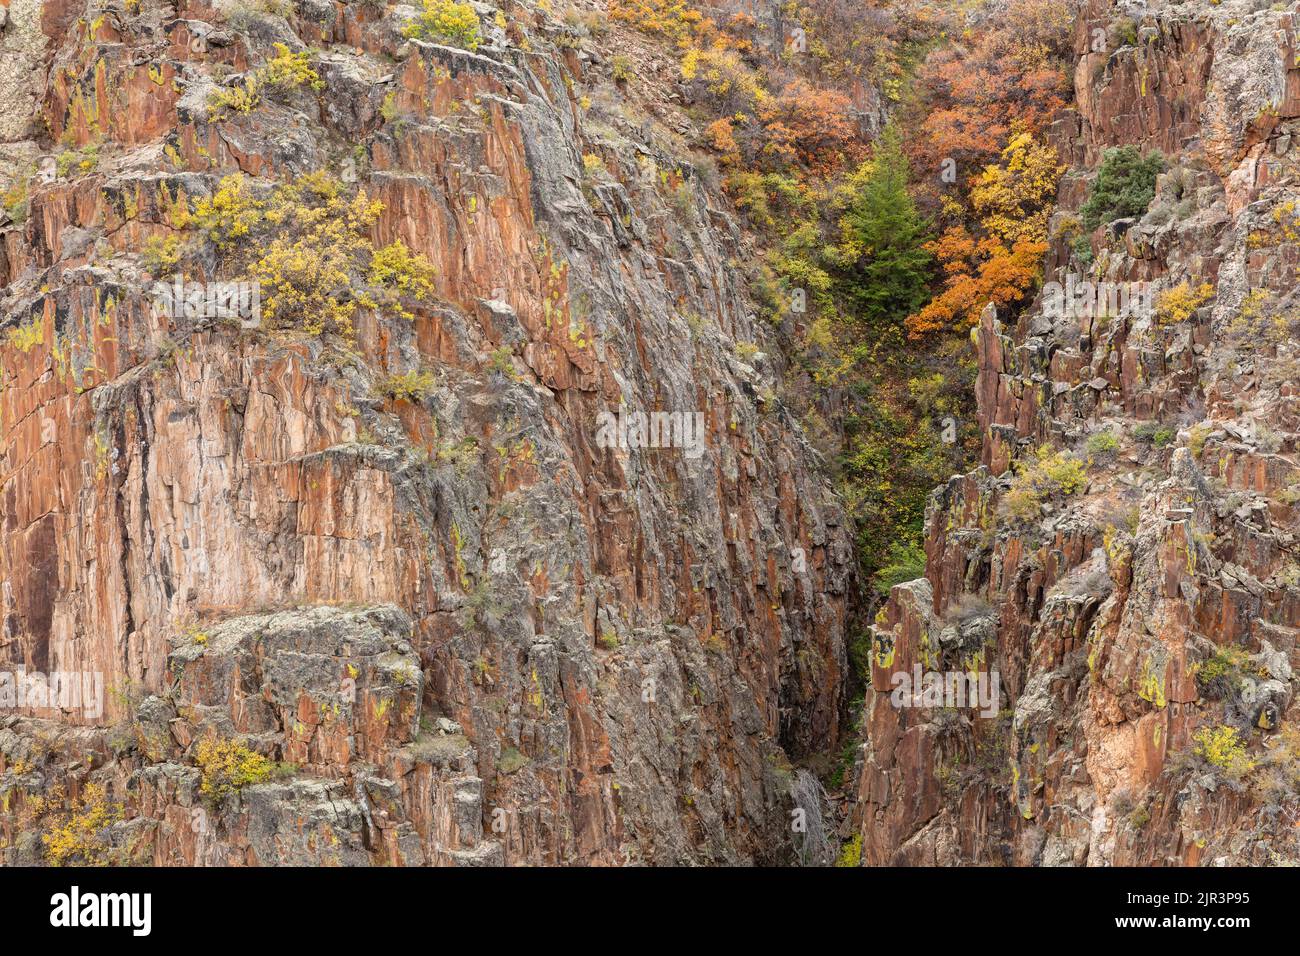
289, 70
723, 79
284, 71
1277, 778
78, 161
447, 22
1043, 475
77, 834
1222, 674
1125, 186
1102, 444
312, 253
1154, 433
1181, 302
161, 254
227, 766
1222, 748
851, 853
668, 18
243, 97
409, 386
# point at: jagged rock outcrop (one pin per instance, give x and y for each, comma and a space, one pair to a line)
1158, 601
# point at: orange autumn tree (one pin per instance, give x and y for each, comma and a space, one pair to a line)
1009, 71
810, 127
1012, 200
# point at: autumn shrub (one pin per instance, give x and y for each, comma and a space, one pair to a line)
1254, 325
244, 97
1181, 302
78, 834
289, 70
1044, 475
809, 127
1013, 198
16, 201
310, 251
994, 273
161, 254
284, 71
227, 766
1001, 261
78, 161
724, 80
673, 19
851, 853
448, 22
1224, 749
228, 214
409, 386
1010, 69
1222, 673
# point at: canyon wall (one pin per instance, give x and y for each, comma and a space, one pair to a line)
464, 628
1138, 620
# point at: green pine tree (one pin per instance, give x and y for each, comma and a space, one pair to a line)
1124, 186
882, 238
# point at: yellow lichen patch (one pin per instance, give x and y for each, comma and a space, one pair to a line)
1151, 686
26, 337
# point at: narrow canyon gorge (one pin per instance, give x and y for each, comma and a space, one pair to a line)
391, 571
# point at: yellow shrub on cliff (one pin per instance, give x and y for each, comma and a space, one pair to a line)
1179, 303
669, 18
446, 22
410, 386
227, 766
725, 77
1045, 474
395, 266
285, 70
1222, 747
291, 70
309, 249
230, 213
242, 98
77, 835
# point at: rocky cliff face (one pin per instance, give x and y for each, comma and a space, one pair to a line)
1144, 623
465, 629
381, 589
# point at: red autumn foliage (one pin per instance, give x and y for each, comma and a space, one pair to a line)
810, 127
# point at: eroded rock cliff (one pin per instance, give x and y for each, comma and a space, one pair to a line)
463, 630
1142, 615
